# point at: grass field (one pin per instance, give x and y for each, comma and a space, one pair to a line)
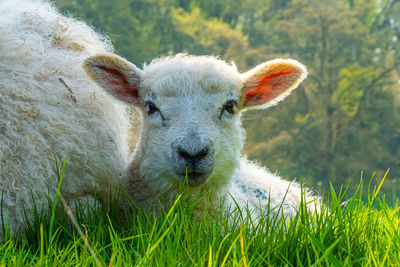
348, 231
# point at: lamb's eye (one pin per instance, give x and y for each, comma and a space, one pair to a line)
230, 107
152, 108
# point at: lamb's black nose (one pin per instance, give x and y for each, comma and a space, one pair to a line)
193, 156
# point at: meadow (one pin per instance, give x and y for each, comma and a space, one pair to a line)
349, 231
343, 119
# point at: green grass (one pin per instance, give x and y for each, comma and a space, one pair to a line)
348, 231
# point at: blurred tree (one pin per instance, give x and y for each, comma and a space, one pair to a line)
213, 36
334, 132
140, 29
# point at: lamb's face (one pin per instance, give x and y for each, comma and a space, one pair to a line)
191, 111
191, 124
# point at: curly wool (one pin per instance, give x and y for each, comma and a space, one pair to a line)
50, 109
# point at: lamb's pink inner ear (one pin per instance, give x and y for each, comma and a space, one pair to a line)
118, 84
266, 86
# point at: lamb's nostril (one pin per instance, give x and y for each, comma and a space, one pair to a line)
202, 154
184, 154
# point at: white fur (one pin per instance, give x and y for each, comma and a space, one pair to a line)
191, 90
40, 120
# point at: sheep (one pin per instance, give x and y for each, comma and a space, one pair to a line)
191, 106
50, 110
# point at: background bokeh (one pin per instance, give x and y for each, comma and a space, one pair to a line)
341, 124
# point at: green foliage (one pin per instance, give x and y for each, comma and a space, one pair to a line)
346, 98
344, 118
211, 36
347, 231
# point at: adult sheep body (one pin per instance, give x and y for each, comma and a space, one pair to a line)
50, 110
191, 106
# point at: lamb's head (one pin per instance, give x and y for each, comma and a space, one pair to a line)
191, 111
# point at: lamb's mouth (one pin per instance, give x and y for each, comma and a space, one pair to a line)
194, 178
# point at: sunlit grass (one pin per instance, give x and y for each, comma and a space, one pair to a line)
347, 231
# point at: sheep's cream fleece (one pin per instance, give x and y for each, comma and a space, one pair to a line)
49, 109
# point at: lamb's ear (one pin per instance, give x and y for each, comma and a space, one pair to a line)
270, 82
116, 75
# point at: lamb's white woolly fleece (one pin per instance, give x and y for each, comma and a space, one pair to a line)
41, 119
50, 109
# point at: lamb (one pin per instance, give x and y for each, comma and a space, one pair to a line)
190, 106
